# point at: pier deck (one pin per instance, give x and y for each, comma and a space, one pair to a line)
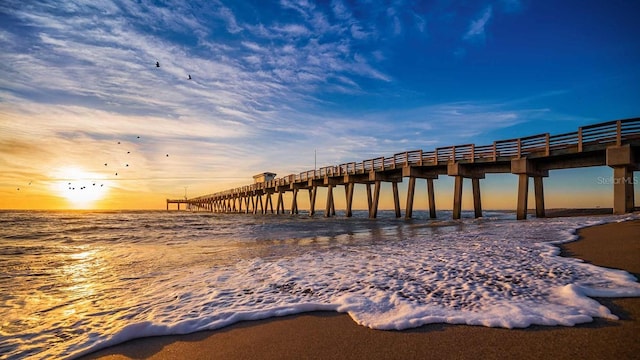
614, 143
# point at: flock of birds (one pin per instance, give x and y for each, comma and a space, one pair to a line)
71, 185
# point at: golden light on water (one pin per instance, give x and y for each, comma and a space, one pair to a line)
82, 189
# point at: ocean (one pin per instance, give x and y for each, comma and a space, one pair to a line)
72, 282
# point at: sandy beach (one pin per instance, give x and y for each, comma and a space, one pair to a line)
323, 335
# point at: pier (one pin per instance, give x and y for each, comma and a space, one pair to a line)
614, 143
178, 202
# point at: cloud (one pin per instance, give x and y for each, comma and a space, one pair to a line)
477, 27
230, 20
263, 89
421, 23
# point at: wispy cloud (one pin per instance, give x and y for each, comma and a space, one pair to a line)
477, 27
264, 89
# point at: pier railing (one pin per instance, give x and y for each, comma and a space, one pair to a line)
604, 134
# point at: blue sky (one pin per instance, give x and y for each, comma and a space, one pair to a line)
272, 81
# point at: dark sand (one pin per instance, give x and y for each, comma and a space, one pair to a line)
323, 335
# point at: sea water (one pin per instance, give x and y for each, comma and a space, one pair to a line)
75, 282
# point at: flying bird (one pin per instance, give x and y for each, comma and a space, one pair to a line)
167, 155
189, 76
157, 64
105, 164
116, 174
128, 152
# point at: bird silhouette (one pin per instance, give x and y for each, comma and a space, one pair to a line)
157, 64
105, 164
189, 76
116, 174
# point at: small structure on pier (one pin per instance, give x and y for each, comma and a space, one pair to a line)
179, 201
263, 177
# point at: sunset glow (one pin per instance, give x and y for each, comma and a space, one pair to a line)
203, 95
80, 188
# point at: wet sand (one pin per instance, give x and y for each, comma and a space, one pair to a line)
324, 335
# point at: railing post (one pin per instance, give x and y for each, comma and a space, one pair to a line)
495, 155
453, 153
619, 133
420, 161
546, 144
436, 156
580, 139
473, 153
519, 148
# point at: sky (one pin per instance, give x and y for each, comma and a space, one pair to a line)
87, 119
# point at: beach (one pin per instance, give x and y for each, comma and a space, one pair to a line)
329, 335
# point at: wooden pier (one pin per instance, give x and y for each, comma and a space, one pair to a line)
615, 144
178, 202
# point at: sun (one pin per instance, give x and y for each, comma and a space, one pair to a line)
82, 189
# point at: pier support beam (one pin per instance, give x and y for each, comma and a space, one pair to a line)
539, 193
428, 174
268, 203
329, 206
280, 203
411, 189
369, 199
312, 200
523, 196
477, 204
621, 159
460, 171
457, 197
526, 168
294, 202
373, 209
396, 198
432, 199
349, 194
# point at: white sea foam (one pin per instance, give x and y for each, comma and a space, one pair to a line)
385, 275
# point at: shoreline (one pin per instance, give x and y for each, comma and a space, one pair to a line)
329, 335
